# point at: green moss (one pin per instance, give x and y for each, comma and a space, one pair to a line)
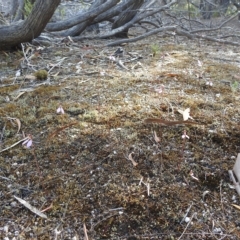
8, 89
8, 108
45, 90
41, 74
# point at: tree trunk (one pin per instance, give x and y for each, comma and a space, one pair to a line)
115, 11
125, 17
82, 17
78, 29
25, 31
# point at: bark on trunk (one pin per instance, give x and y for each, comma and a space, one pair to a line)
115, 11
25, 31
82, 17
126, 17
78, 29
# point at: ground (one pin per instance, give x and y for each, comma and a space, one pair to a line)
101, 163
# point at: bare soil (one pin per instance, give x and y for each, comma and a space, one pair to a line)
80, 168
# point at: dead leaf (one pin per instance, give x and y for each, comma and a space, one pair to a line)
236, 206
85, 232
18, 96
185, 113
31, 208
18, 123
131, 159
156, 138
30, 77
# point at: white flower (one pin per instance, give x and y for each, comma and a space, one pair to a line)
18, 73
209, 83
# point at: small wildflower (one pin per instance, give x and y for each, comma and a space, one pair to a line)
18, 73
60, 110
209, 83
200, 63
112, 58
185, 135
160, 89
192, 176
28, 142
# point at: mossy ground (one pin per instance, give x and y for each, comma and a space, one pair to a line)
79, 161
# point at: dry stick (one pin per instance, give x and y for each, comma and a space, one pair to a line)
236, 184
161, 149
155, 31
25, 55
163, 122
217, 28
189, 208
218, 40
183, 148
14, 144
147, 236
57, 232
85, 232
57, 64
221, 194
187, 225
5, 178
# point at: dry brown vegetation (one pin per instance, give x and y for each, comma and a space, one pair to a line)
79, 163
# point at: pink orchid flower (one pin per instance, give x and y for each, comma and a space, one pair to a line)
185, 135
60, 110
28, 142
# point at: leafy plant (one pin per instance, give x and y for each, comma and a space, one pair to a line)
234, 86
62, 13
155, 49
28, 5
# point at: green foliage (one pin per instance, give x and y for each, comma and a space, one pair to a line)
27, 7
234, 86
155, 49
62, 12
193, 11
188, 8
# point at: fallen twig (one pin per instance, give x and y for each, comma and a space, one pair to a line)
236, 184
169, 123
187, 225
5, 149
30, 207
85, 232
